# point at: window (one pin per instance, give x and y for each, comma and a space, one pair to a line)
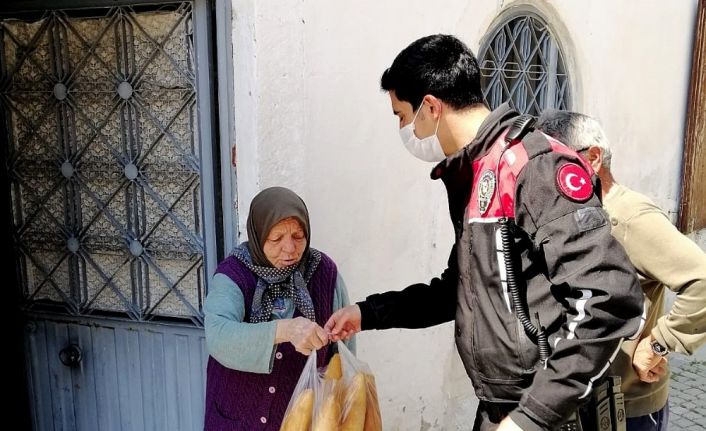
521, 62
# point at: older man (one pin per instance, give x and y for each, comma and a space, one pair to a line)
663, 257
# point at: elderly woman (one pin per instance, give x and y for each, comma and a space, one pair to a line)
265, 310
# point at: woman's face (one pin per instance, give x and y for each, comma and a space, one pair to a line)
285, 243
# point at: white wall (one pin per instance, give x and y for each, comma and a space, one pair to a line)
309, 115
699, 237
635, 59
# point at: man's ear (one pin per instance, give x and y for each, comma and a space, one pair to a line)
595, 157
435, 105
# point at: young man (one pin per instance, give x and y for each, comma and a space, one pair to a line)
542, 295
663, 257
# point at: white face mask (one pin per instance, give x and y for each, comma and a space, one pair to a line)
427, 149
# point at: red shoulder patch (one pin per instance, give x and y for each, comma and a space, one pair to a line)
574, 183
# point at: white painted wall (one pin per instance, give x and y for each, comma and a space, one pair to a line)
309, 115
699, 237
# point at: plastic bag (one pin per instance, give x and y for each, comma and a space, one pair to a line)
339, 397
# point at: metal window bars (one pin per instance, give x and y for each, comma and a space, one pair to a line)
522, 63
104, 161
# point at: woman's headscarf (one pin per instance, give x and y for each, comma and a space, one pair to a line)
268, 208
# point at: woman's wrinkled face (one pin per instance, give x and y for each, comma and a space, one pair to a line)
285, 243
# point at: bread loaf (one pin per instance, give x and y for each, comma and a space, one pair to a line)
334, 371
354, 419
373, 421
330, 414
299, 417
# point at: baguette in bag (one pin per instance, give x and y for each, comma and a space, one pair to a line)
299, 417
343, 397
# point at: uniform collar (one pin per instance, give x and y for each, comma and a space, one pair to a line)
493, 125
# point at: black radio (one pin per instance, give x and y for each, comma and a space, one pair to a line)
604, 412
573, 424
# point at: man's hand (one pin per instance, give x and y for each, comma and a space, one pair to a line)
305, 335
344, 323
648, 365
508, 425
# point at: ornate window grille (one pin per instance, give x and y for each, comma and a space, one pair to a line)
104, 161
521, 62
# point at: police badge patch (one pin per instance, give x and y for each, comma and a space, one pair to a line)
486, 188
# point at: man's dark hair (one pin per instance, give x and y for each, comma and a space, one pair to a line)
440, 65
557, 124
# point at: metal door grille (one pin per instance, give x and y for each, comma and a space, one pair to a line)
104, 161
521, 62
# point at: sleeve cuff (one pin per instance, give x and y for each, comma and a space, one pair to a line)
367, 316
266, 360
524, 421
533, 415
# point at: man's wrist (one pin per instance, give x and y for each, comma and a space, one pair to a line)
367, 315
658, 348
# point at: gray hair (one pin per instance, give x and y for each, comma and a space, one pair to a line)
578, 131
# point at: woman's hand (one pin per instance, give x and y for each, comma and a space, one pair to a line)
305, 335
344, 323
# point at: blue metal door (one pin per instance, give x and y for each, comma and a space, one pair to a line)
109, 144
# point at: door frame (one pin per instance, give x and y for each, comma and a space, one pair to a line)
692, 208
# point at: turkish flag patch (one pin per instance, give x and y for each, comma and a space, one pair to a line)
574, 183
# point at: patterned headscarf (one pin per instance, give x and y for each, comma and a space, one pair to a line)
272, 283
268, 208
